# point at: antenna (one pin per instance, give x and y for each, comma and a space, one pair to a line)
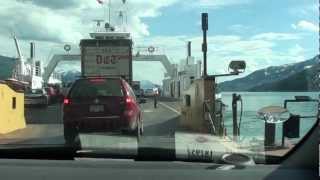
98, 21
123, 14
121, 17
109, 5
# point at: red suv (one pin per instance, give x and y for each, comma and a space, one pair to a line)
101, 105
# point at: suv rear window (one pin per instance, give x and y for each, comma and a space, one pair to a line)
96, 88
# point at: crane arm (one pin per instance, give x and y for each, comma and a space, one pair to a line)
17, 47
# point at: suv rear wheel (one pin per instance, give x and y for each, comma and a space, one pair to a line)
141, 127
138, 130
70, 134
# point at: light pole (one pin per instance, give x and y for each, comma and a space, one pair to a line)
204, 44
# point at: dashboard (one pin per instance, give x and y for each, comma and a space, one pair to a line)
86, 168
301, 163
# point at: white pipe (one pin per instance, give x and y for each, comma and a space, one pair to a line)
21, 67
18, 48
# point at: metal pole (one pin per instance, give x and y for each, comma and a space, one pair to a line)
283, 138
155, 101
110, 12
205, 53
234, 115
204, 45
104, 11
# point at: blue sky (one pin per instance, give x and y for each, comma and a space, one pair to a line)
245, 20
262, 32
283, 31
258, 15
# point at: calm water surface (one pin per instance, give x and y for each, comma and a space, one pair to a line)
252, 127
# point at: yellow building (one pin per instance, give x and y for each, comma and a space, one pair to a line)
11, 109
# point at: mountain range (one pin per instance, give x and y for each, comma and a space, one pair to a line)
302, 76
6, 67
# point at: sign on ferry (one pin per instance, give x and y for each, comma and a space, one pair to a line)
106, 57
104, 61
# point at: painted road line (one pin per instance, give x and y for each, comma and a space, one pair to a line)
172, 109
147, 110
112, 144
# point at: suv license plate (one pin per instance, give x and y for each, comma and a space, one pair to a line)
96, 108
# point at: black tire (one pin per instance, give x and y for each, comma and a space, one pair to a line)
70, 135
45, 104
138, 131
141, 128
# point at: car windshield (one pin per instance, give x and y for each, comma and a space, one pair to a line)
182, 80
95, 88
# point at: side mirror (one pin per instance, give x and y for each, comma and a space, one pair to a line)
238, 66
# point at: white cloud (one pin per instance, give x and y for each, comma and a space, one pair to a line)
259, 51
306, 25
297, 53
239, 28
50, 25
214, 4
294, 26
305, 10
153, 71
56, 21
276, 36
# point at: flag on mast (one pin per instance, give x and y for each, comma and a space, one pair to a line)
100, 1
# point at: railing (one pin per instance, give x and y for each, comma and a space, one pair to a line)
207, 113
214, 117
148, 50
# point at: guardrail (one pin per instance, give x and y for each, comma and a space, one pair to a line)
214, 117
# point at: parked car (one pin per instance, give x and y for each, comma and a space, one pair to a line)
149, 93
101, 105
138, 92
36, 97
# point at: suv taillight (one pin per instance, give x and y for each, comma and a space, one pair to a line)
129, 100
129, 104
66, 101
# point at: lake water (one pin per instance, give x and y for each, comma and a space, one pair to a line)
252, 127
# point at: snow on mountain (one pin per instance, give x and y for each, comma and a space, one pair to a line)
268, 75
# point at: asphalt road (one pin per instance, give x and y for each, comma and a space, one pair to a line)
161, 138
44, 127
160, 121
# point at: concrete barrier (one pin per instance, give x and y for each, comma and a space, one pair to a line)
11, 110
